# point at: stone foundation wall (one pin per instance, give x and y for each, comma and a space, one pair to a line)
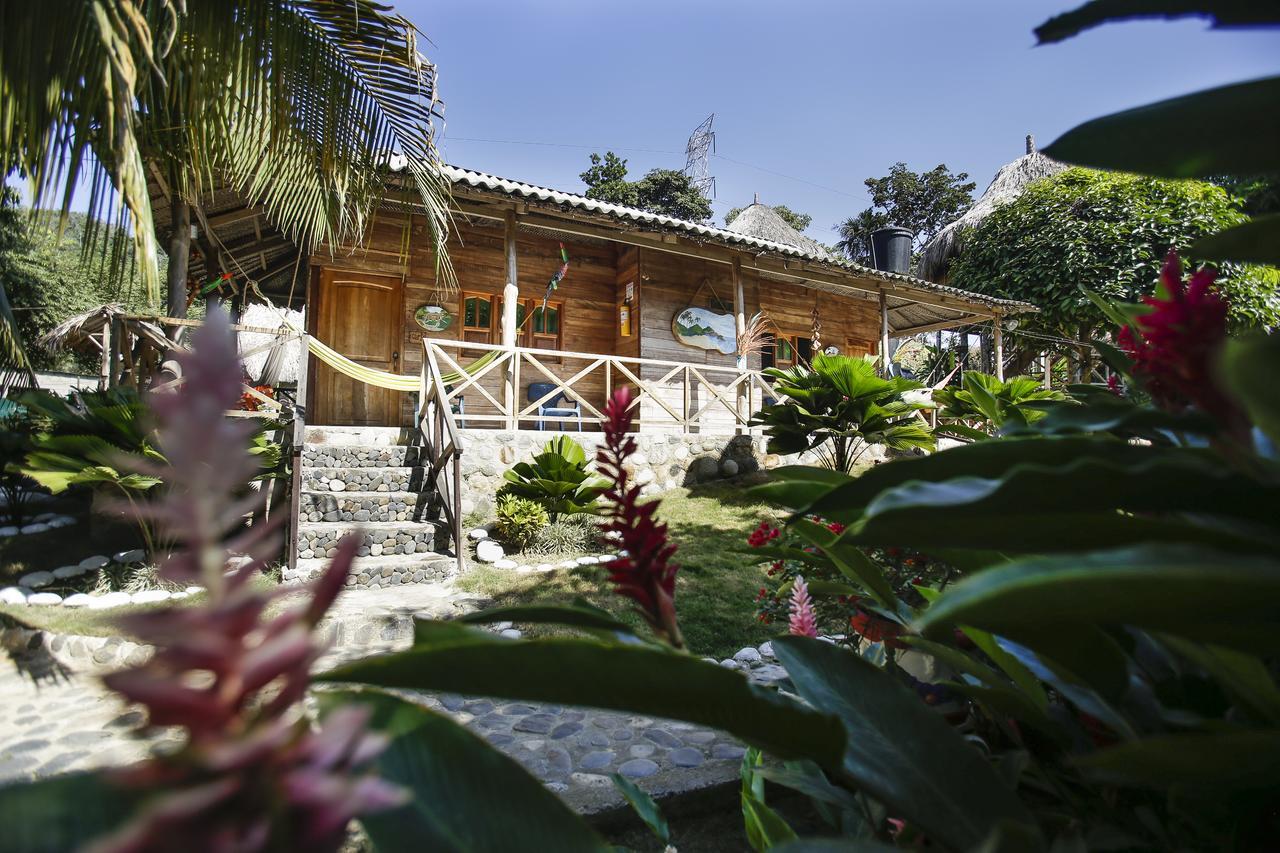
663, 461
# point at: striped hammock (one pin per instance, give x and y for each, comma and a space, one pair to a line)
382, 379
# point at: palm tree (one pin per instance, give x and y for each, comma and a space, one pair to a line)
294, 104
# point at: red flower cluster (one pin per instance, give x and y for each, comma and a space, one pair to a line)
252, 774
646, 574
1180, 338
763, 535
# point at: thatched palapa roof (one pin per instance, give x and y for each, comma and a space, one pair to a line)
761, 221
1008, 184
78, 330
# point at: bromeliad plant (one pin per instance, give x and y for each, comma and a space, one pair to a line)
985, 405
838, 407
558, 479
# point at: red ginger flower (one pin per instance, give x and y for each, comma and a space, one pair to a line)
763, 535
1179, 341
252, 774
646, 574
803, 622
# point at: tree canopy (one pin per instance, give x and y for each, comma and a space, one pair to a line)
663, 191
924, 202
798, 221
49, 279
1109, 232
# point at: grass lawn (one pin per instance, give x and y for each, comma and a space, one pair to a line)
716, 586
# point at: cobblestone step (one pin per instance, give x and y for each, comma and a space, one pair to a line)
377, 539
358, 456
356, 435
401, 479
382, 572
363, 507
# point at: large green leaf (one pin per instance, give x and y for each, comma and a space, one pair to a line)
1166, 481
467, 796
844, 500
1223, 13
1184, 590
642, 679
1183, 137
1244, 676
1219, 763
1249, 366
834, 845
899, 751
62, 812
850, 561
1256, 241
644, 806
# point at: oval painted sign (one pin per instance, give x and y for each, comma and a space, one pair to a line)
705, 329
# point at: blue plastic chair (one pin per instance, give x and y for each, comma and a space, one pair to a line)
552, 406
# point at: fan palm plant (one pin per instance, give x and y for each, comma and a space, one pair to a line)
838, 407
294, 104
985, 405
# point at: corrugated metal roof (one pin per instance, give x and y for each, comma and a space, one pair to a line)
520, 189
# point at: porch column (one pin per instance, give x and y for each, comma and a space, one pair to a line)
740, 324
510, 296
1047, 363
997, 339
884, 334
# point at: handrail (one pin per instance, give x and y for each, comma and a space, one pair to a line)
712, 397
442, 444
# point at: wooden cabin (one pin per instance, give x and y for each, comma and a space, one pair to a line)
647, 301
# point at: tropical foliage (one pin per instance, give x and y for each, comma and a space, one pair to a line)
519, 520
983, 405
557, 479
838, 407
923, 202
48, 278
664, 191
294, 104
1108, 232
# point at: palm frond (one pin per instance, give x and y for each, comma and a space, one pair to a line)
757, 336
15, 367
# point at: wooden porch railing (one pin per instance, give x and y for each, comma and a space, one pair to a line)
442, 449
685, 397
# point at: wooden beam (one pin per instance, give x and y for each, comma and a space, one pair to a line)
997, 337
965, 320
740, 324
230, 217
884, 334
510, 296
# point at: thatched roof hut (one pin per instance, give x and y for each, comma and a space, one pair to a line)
85, 329
763, 222
1008, 184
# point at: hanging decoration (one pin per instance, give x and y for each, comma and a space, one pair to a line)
815, 335
556, 277
706, 328
433, 316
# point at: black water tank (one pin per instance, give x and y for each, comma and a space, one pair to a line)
891, 249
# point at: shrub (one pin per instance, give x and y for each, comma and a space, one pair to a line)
558, 479
839, 407
519, 519
986, 405
573, 534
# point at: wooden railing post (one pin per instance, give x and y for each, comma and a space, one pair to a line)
299, 437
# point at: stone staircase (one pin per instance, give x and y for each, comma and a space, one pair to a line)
368, 480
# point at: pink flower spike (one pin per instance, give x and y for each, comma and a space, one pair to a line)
803, 621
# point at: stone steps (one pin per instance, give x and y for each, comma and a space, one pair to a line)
381, 572
363, 507
368, 481
359, 456
320, 538
406, 479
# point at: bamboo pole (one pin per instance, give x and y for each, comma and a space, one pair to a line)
510, 296
884, 333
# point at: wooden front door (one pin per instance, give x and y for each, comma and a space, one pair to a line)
359, 315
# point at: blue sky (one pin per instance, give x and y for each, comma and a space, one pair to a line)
826, 93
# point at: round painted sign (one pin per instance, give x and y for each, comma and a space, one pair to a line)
433, 318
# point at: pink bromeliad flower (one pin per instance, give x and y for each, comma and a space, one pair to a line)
803, 621
252, 774
646, 574
1178, 343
